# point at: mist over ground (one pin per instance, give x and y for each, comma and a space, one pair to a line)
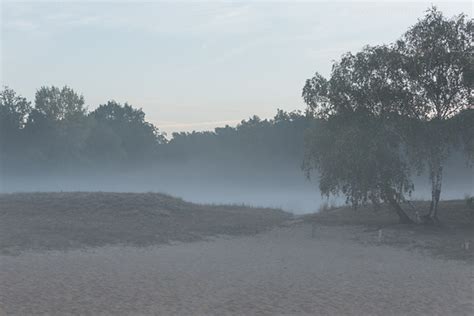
216, 182
58, 145
250, 222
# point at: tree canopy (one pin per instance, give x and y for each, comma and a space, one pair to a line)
412, 86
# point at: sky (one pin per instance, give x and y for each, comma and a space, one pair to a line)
192, 65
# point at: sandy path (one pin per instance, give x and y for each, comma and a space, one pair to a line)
282, 272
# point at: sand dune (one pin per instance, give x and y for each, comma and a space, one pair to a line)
280, 272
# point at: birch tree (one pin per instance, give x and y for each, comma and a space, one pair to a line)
437, 66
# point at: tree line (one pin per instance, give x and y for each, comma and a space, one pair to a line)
57, 131
254, 141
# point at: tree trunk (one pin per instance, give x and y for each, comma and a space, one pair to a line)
436, 176
402, 216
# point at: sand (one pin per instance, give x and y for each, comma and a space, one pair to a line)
280, 272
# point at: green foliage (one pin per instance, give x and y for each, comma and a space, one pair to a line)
316, 94
59, 133
357, 155
123, 133
14, 111
371, 79
59, 104
254, 141
464, 123
426, 74
412, 88
437, 63
356, 147
437, 54
57, 127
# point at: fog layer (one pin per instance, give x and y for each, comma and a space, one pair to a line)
274, 185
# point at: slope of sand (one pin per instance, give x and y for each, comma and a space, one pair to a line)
279, 272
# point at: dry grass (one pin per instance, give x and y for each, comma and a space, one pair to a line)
41, 221
447, 240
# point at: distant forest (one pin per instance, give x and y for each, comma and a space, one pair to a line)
57, 132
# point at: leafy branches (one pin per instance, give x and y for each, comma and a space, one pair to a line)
409, 89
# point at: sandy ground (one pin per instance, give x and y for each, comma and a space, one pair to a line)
279, 272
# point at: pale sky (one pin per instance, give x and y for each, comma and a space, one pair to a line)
190, 64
